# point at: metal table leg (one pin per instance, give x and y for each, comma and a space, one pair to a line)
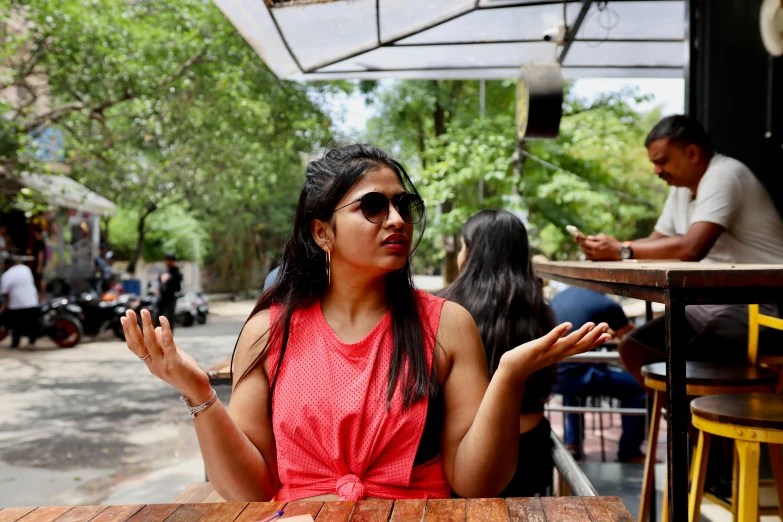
676, 411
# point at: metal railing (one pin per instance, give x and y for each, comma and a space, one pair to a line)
569, 472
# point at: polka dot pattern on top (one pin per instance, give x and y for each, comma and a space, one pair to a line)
333, 432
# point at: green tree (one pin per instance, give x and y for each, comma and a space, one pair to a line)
166, 106
595, 175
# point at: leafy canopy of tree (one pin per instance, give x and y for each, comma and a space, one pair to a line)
164, 105
595, 175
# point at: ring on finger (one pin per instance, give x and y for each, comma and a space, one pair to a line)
142, 358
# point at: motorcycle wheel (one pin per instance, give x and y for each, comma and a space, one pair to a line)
185, 319
66, 332
202, 318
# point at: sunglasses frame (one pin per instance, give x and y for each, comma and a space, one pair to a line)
388, 205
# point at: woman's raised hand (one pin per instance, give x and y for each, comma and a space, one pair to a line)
550, 349
165, 360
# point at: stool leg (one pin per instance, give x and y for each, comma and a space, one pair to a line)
734, 483
748, 505
699, 465
648, 482
776, 456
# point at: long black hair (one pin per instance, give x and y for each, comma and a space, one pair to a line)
302, 278
497, 286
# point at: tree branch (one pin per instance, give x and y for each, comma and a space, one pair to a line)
62, 111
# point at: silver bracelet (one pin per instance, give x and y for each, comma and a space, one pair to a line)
201, 407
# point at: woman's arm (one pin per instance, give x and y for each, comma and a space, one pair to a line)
237, 443
481, 426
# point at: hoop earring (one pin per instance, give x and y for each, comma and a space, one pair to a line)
328, 267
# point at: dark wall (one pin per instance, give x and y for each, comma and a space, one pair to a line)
727, 87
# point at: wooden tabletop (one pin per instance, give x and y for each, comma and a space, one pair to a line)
220, 373
669, 274
545, 509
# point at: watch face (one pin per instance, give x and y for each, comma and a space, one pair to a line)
625, 252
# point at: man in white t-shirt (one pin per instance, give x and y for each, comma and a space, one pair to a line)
717, 211
18, 284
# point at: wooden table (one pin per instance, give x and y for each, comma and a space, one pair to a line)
675, 284
220, 373
546, 509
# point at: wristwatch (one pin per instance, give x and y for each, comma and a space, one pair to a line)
626, 252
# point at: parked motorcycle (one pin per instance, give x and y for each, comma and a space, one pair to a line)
192, 307
100, 314
58, 319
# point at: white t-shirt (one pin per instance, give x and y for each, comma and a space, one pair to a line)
18, 283
728, 195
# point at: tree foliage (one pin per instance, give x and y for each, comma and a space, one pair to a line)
164, 105
595, 175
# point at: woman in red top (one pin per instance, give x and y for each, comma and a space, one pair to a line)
348, 382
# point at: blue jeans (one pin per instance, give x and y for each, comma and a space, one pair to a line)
577, 381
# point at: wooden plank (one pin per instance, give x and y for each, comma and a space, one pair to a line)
188, 513
14, 514
409, 511
372, 511
564, 509
525, 510
195, 493
154, 512
82, 513
446, 511
302, 507
486, 510
606, 509
224, 512
258, 510
336, 511
118, 513
46, 514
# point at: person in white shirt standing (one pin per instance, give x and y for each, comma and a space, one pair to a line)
18, 284
717, 211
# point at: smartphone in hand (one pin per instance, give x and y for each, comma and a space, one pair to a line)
578, 234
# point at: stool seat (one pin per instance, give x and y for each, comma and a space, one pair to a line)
713, 374
749, 410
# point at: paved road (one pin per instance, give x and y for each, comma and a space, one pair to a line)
91, 425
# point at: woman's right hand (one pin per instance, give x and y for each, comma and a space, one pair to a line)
166, 360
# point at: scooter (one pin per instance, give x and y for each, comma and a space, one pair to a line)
58, 319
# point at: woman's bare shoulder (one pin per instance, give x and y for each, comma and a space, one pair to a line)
457, 331
252, 340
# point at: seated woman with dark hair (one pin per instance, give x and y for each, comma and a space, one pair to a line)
348, 382
497, 286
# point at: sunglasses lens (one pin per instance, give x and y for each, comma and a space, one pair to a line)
375, 206
411, 208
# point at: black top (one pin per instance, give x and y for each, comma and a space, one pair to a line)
38, 246
169, 289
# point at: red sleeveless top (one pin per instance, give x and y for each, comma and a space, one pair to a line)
333, 431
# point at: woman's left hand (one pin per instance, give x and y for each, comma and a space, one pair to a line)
530, 357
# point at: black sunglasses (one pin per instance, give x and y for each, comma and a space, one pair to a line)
375, 207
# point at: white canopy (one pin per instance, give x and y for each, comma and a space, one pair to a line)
65, 192
407, 39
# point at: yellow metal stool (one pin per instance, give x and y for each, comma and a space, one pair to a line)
755, 320
750, 419
701, 379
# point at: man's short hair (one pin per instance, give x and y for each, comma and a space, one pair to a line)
681, 130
